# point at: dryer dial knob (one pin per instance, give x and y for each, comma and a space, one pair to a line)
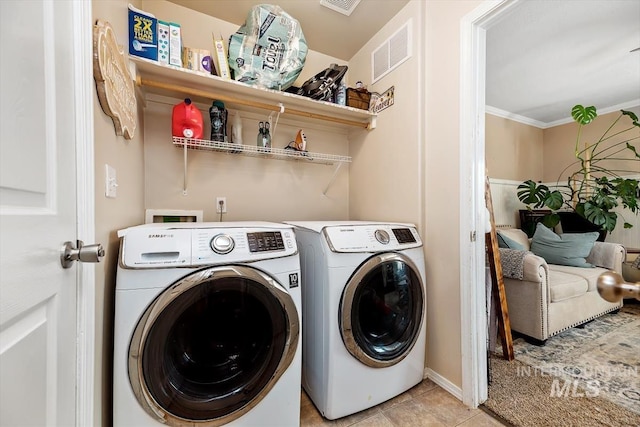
382, 236
222, 244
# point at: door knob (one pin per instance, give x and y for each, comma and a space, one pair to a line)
83, 253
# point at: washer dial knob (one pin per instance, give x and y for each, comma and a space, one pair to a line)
382, 236
222, 244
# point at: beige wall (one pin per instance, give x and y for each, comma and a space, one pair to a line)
513, 150
559, 145
517, 151
386, 173
255, 188
442, 181
112, 214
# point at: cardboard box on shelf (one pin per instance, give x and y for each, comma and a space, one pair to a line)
163, 42
220, 58
143, 36
175, 44
197, 60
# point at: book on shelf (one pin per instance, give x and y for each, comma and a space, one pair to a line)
220, 58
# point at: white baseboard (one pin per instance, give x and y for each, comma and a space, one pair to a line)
443, 382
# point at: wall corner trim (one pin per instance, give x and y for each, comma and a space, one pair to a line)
443, 382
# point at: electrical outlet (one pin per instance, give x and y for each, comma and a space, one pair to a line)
221, 205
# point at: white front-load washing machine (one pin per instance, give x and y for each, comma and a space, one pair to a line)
363, 299
207, 326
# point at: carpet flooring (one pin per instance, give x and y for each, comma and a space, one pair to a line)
587, 376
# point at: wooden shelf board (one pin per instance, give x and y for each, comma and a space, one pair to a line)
168, 80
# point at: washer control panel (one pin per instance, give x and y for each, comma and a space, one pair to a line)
265, 241
241, 244
222, 243
165, 246
371, 238
382, 236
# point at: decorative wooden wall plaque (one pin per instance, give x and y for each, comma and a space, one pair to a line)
114, 84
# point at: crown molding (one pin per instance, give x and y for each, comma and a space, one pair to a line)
542, 125
515, 117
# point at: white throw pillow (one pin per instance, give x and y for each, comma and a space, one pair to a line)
517, 235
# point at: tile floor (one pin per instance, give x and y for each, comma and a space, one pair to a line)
426, 404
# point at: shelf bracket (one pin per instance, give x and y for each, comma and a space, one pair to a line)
333, 178
372, 123
184, 187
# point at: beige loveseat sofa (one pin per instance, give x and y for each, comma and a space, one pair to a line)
552, 298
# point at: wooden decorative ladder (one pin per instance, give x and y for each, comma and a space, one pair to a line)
497, 280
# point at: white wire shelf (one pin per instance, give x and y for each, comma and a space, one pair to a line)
255, 151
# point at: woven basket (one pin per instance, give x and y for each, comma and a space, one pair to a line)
358, 99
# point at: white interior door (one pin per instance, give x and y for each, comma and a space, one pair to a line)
38, 212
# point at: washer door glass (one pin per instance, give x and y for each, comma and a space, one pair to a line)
381, 310
211, 346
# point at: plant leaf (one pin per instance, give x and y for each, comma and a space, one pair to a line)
632, 148
598, 216
551, 220
554, 200
530, 193
627, 191
633, 116
583, 115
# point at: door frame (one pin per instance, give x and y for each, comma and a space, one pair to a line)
473, 218
85, 206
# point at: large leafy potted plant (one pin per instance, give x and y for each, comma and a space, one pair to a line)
538, 199
595, 186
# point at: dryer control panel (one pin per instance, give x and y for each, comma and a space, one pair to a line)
241, 245
371, 238
181, 246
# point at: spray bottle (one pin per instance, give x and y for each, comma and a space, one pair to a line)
264, 137
236, 129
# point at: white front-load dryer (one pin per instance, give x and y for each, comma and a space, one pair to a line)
207, 326
364, 310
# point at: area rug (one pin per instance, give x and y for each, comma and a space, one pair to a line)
583, 376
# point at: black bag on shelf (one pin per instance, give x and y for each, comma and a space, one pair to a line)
323, 85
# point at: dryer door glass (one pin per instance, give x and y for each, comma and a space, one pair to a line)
211, 346
382, 310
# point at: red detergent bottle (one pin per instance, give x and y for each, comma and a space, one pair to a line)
187, 120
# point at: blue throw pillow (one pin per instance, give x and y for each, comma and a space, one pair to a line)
565, 249
508, 243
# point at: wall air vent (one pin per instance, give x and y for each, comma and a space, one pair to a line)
393, 52
345, 7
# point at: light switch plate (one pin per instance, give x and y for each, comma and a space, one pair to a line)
110, 181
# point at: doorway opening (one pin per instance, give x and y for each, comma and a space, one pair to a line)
472, 183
